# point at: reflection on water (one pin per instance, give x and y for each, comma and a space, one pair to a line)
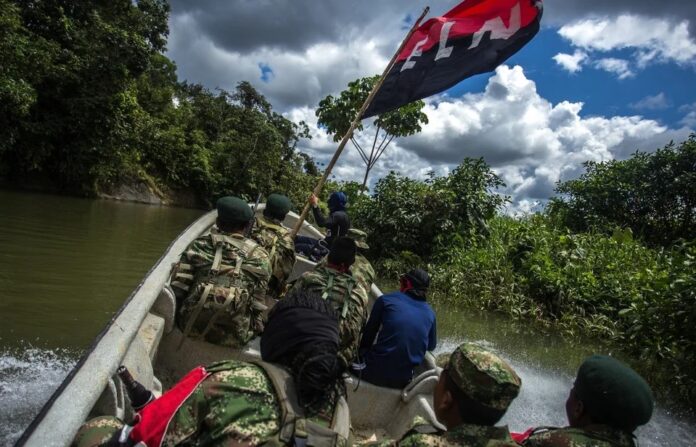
547, 365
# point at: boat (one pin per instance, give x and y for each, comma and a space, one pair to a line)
143, 337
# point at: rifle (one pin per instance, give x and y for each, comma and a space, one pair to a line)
251, 226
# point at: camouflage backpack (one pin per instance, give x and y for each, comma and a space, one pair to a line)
297, 429
281, 251
226, 301
347, 296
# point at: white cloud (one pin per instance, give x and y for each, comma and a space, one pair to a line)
655, 102
619, 67
300, 77
571, 62
652, 39
530, 142
689, 119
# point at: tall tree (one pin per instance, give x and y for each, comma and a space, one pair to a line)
337, 113
653, 194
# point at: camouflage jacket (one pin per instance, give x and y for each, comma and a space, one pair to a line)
592, 436
363, 271
348, 297
276, 240
225, 277
423, 434
236, 406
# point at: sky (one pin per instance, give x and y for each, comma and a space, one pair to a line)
601, 80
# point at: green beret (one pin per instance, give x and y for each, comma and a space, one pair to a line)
359, 236
277, 206
483, 376
233, 210
97, 432
613, 393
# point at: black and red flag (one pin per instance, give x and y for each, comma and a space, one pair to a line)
474, 37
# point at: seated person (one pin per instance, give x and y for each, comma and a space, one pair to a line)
337, 225
608, 401
335, 283
407, 328
221, 280
270, 233
473, 393
299, 400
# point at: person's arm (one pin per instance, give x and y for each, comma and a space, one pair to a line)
319, 217
372, 325
432, 336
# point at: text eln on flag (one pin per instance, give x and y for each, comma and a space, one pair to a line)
474, 37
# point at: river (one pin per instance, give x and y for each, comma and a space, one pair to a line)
66, 264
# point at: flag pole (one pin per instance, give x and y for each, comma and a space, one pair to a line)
355, 123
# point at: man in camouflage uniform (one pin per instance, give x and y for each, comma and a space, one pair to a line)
221, 280
235, 403
608, 401
335, 283
473, 393
362, 269
275, 239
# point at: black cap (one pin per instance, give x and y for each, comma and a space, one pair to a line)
419, 278
342, 251
277, 206
233, 210
613, 393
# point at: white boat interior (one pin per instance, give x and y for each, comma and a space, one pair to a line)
143, 337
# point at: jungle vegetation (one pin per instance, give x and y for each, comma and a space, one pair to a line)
88, 100
612, 256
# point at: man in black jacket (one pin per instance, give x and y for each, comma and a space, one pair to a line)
337, 225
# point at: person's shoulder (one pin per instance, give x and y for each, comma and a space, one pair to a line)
480, 436
554, 436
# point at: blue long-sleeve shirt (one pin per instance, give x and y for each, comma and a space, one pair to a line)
408, 329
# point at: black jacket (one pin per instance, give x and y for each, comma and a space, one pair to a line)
337, 224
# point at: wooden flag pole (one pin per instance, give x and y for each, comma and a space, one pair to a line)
354, 124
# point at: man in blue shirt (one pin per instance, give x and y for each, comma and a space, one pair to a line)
408, 329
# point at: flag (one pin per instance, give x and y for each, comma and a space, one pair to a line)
474, 37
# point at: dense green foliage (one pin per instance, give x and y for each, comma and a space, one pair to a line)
653, 194
89, 102
406, 215
336, 114
601, 282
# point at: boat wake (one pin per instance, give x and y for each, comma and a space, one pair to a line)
28, 376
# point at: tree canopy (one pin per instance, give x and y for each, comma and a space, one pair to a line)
652, 194
337, 113
88, 101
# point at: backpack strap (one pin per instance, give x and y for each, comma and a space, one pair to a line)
291, 412
196, 311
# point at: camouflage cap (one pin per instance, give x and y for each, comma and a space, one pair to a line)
234, 210
97, 432
277, 206
359, 236
483, 376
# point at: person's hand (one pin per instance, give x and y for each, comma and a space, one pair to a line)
313, 199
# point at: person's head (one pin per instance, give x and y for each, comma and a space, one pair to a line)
277, 207
609, 392
302, 335
337, 201
476, 387
234, 214
342, 254
415, 283
360, 238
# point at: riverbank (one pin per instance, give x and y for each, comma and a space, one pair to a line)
142, 189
